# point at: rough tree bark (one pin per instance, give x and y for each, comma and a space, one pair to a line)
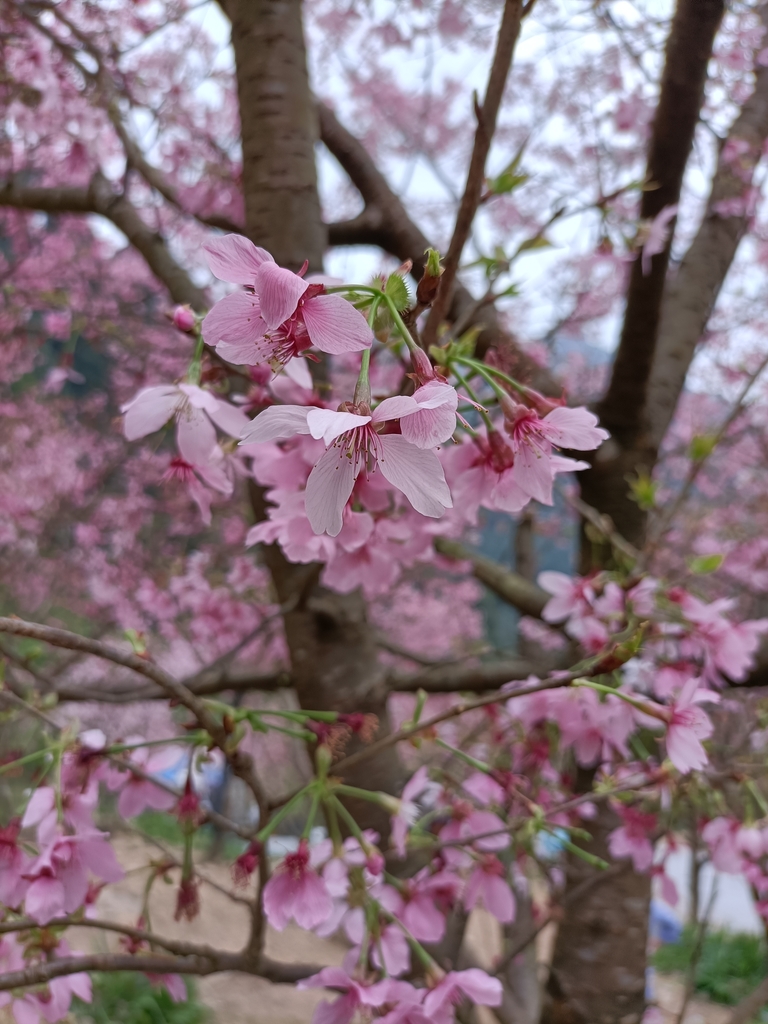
688, 50
333, 652
598, 969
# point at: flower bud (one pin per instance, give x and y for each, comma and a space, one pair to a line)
184, 319
426, 289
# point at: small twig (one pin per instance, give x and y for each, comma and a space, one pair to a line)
487, 115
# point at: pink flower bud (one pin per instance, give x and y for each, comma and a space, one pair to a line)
184, 319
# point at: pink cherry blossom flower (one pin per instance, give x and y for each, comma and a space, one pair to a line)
173, 985
197, 413
632, 838
730, 646
688, 726
52, 1002
478, 986
285, 316
427, 900
487, 885
296, 891
722, 837
14, 863
389, 949
356, 446
533, 438
137, 793
58, 877
435, 420
354, 994
570, 595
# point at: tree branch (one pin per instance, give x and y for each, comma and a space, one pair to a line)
509, 586
688, 50
241, 764
487, 115
98, 197
691, 295
385, 222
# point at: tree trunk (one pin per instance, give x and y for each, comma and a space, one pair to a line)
598, 970
334, 658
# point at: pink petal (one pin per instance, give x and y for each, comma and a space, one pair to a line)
45, 900
329, 977
199, 398
328, 489
340, 1011
277, 423
298, 371
394, 408
149, 410
574, 428
229, 418
335, 326
235, 258
279, 291
313, 902
41, 803
26, 1010
479, 986
195, 436
328, 424
533, 473
279, 897
235, 319
417, 473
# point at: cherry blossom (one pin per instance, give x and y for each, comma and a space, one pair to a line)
284, 315
355, 447
296, 891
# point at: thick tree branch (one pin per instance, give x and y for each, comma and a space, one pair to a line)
98, 197
385, 222
509, 586
487, 115
691, 295
688, 51
241, 764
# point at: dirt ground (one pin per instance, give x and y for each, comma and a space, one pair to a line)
239, 999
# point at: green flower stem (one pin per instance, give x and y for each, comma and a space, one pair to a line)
467, 758
638, 704
284, 811
36, 755
352, 825
487, 368
311, 816
372, 796
466, 385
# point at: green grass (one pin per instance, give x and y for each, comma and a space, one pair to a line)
729, 967
128, 998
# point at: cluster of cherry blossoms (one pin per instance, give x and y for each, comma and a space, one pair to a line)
363, 465
356, 475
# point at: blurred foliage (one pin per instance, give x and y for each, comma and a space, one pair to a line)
127, 998
729, 967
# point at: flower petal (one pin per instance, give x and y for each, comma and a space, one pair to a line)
335, 326
393, 408
417, 473
236, 318
195, 436
276, 423
229, 418
329, 424
235, 258
149, 410
279, 291
328, 489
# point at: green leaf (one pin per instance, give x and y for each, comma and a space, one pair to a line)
397, 290
537, 242
507, 182
642, 489
701, 447
705, 564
